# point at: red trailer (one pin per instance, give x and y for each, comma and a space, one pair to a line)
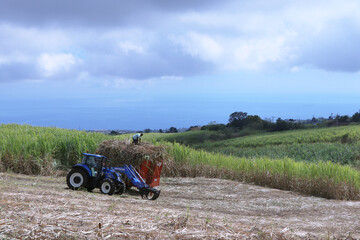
150, 172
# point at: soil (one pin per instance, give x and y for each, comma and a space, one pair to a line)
38, 207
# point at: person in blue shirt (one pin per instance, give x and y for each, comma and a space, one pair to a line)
137, 138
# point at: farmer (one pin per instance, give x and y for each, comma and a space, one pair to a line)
137, 138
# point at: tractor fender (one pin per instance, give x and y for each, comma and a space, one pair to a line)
84, 167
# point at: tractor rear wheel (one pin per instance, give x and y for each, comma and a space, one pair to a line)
107, 187
77, 178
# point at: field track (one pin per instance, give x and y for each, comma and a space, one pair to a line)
188, 208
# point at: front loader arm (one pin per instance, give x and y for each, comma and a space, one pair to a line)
135, 178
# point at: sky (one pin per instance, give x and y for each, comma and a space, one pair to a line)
116, 64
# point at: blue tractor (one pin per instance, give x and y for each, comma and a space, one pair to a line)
95, 172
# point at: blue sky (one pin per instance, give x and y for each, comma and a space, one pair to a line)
156, 64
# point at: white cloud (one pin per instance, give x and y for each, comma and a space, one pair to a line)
127, 47
257, 35
51, 64
207, 19
295, 69
19, 40
3, 59
124, 83
238, 53
15, 57
236, 35
172, 78
199, 45
256, 54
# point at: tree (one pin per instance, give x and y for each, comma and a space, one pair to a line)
281, 125
147, 130
172, 130
343, 119
250, 119
236, 119
356, 117
214, 127
313, 120
193, 128
160, 130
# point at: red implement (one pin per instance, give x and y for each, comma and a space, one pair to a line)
150, 172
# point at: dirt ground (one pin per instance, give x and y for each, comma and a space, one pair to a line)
188, 208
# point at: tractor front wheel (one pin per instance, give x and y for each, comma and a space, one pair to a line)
107, 187
120, 188
77, 178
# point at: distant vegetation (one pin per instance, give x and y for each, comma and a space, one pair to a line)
197, 137
249, 136
335, 144
291, 160
241, 120
253, 124
241, 124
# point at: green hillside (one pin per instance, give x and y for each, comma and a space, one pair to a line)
336, 144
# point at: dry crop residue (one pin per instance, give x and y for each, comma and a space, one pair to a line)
188, 208
123, 152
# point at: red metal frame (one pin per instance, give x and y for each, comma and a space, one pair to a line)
152, 178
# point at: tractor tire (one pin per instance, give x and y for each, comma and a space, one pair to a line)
120, 189
77, 178
107, 186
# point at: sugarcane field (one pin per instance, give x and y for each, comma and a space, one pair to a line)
115, 189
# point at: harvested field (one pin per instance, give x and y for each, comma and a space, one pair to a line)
188, 208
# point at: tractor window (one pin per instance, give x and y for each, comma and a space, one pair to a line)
98, 162
91, 161
106, 163
84, 159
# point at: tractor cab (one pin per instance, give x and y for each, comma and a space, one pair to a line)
95, 163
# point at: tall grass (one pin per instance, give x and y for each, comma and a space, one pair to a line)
37, 150
308, 152
324, 179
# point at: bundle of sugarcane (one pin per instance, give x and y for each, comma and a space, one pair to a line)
122, 152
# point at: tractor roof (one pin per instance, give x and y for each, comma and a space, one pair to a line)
94, 155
